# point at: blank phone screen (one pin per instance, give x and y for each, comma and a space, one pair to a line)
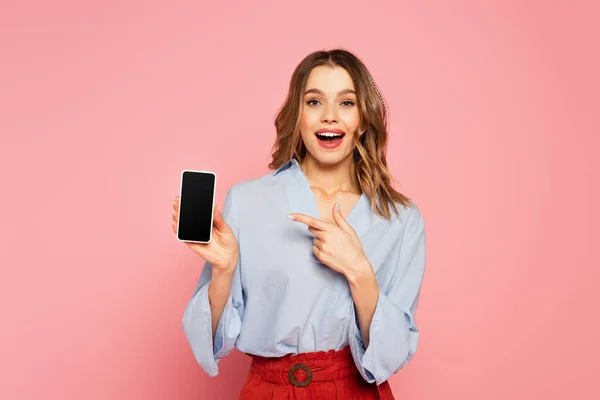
196, 206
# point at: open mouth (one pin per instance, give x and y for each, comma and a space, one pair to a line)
330, 136
330, 140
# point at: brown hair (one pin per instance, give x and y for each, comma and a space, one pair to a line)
370, 164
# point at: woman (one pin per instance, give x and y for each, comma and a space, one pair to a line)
315, 270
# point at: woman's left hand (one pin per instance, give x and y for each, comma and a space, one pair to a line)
335, 245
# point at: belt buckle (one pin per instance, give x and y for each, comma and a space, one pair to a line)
293, 379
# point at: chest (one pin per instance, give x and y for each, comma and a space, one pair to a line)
276, 252
326, 203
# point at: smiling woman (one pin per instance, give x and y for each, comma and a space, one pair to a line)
327, 313
334, 93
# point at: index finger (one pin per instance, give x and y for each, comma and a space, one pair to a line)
310, 221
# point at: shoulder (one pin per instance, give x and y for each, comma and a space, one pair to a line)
251, 187
245, 196
408, 216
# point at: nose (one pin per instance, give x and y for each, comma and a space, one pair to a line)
329, 114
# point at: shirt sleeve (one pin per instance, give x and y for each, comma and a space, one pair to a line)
393, 334
197, 317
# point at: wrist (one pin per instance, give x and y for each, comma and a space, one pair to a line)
362, 274
225, 270
225, 273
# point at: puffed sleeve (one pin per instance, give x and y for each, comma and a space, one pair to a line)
197, 319
393, 335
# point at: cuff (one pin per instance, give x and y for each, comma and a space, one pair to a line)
220, 340
363, 356
197, 325
391, 342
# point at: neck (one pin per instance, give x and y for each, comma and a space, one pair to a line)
331, 178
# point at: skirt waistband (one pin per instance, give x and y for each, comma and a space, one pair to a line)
303, 368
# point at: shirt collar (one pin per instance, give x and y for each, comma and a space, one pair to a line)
292, 162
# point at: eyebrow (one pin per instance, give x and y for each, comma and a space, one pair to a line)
340, 93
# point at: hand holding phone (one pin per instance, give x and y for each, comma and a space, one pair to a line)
222, 251
202, 226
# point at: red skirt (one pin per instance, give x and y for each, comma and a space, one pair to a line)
320, 375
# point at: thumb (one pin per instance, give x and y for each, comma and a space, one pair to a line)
340, 220
219, 221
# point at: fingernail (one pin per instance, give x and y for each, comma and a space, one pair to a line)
290, 216
337, 205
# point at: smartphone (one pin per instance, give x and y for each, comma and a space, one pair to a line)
196, 202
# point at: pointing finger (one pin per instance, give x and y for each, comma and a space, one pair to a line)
310, 221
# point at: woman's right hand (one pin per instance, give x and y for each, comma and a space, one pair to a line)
222, 251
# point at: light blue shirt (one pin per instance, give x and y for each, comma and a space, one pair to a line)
284, 300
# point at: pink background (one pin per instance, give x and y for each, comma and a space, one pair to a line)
494, 132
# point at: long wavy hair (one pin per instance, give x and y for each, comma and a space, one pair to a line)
370, 165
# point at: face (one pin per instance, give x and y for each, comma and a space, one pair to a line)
329, 115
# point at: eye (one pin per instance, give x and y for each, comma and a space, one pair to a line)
314, 102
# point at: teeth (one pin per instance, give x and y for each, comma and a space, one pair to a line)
329, 134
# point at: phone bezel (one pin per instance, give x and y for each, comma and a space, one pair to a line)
212, 213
